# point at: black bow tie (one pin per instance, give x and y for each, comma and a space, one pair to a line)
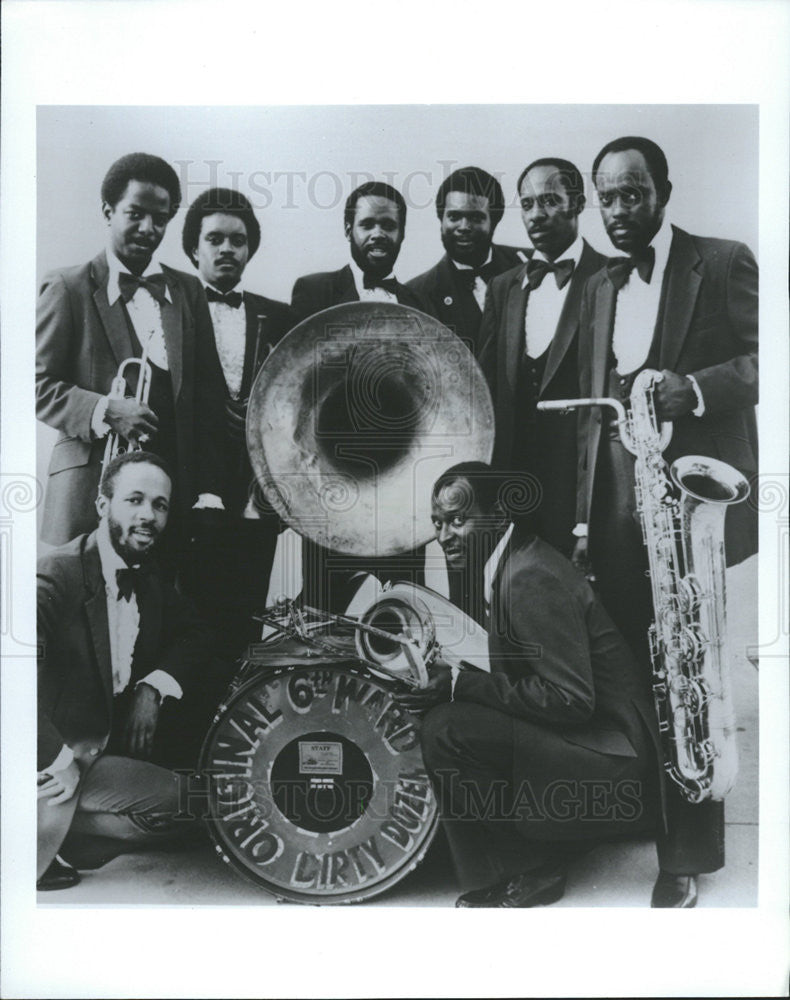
232, 299
388, 284
129, 283
469, 275
537, 269
619, 268
130, 580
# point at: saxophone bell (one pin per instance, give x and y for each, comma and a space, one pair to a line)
707, 480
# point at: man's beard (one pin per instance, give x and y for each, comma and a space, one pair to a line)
473, 255
129, 555
380, 268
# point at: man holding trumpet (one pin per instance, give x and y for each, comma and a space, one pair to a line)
121, 305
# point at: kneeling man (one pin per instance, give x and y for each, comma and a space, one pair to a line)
115, 641
556, 747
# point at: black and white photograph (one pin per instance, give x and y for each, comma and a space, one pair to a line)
392, 507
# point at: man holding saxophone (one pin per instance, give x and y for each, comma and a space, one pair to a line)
92, 318
686, 307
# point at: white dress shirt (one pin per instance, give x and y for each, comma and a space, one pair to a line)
489, 572
370, 294
637, 309
480, 287
230, 335
144, 311
544, 304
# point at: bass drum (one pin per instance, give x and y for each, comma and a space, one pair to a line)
317, 788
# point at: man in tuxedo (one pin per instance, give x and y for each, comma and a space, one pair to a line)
374, 224
230, 576
120, 305
469, 205
530, 339
556, 748
116, 642
686, 306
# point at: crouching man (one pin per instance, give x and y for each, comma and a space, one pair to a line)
115, 643
556, 748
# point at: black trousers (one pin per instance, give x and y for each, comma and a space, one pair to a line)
694, 840
504, 816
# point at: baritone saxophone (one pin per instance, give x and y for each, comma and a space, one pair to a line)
682, 517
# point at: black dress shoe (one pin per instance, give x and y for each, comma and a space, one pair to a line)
58, 876
533, 888
677, 892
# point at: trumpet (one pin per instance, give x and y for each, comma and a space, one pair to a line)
117, 445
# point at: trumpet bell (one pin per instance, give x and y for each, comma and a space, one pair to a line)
353, 417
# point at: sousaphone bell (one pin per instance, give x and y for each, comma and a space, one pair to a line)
354, 416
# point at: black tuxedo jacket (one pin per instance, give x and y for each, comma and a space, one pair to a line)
452, 302
314, 292
75, 695
267, 322
707, 327
558, 662
80, 342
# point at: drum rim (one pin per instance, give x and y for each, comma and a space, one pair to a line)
294, 896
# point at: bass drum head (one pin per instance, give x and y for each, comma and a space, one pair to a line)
317, 788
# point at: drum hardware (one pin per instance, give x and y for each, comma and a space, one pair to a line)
311, 625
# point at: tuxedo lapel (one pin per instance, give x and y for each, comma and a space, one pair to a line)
462, 297
568, 323
113, 317
257, 343
683, 280
96, 611
346, 290
516, 309
605, 300
173, 329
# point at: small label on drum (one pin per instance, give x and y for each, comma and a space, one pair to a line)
320, 758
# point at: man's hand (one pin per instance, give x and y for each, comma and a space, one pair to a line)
581, 559
60, 786
130, 419
141, 724
675, 396
436, 691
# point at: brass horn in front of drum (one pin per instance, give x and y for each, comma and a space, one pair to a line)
353, 417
